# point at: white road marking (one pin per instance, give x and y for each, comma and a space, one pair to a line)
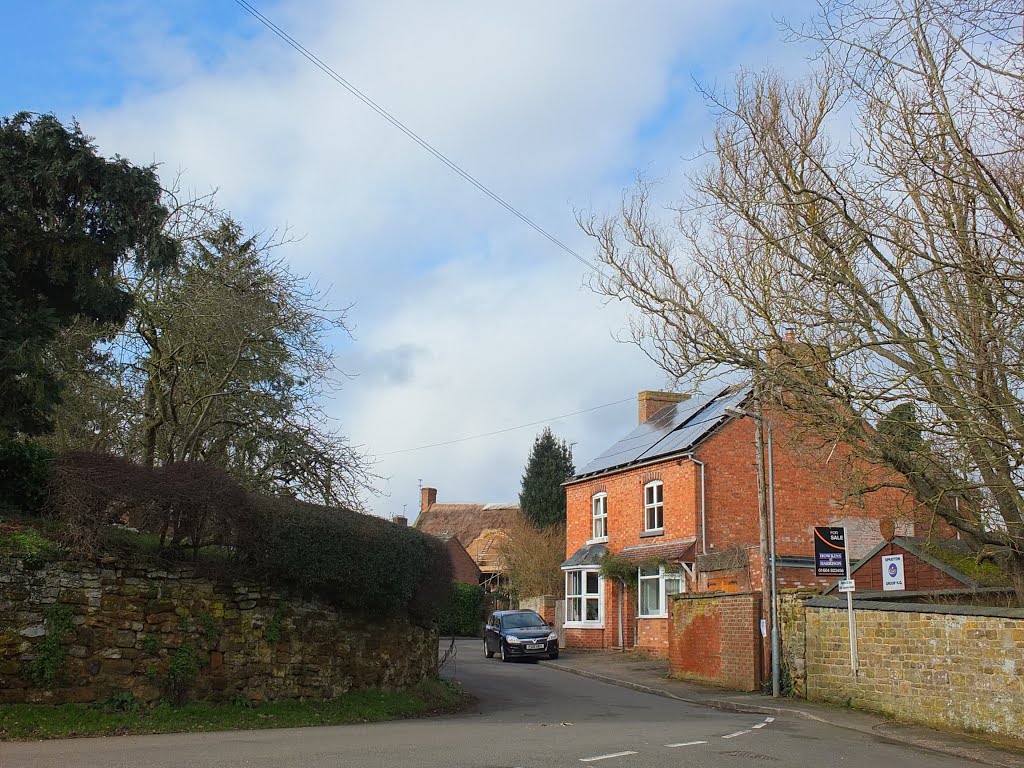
686, 744
734, 735
769, 719
605, 757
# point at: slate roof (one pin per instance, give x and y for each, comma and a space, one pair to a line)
589, 554
673, 430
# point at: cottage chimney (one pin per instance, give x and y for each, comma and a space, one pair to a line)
649, 402
400, 520
428, 496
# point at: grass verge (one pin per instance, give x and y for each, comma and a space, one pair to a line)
40, 721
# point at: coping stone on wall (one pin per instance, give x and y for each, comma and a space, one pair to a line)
952, 610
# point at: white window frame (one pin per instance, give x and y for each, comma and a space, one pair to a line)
584, 596
653, 507
598, 499
663, 576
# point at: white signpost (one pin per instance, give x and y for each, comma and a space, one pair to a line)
892, 573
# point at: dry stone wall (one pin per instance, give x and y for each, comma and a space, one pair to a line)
944, 666
140, 629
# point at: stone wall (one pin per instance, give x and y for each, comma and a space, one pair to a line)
943, 666
715, 638
130, 624
792, 638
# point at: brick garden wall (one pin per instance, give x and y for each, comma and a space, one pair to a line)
252, 642
716, 639
942, 666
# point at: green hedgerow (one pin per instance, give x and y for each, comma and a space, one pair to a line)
355, 561
463, 615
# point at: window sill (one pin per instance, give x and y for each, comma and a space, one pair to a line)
598, 540
652, 533
583, 625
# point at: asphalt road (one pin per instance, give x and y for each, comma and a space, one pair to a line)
528, 715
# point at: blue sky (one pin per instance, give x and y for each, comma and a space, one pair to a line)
466, 321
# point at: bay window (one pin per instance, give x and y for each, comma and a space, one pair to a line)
583, 597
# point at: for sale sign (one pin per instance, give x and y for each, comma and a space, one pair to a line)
829, 551
892, 573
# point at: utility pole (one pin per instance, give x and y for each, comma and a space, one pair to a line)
766, 498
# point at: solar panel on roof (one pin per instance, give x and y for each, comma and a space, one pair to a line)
714, 414
645, 440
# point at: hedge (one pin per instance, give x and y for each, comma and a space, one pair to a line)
352, 560
463, 615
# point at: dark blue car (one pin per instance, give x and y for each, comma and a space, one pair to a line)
519, 635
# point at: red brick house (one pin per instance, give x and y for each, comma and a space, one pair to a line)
677, 498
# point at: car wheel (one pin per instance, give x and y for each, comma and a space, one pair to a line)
504, 654
488, 653
553, 656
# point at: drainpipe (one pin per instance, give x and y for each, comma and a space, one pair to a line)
703, 520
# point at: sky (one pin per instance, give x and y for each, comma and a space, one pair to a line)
466, 321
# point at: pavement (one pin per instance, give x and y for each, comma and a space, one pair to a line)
633, 670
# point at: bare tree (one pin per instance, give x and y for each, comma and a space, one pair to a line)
225, 359
533, 557
855, 242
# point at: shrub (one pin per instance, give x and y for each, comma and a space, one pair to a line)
121, 701
464, 613
89, 491
533, 558
182, 671
200, 504
24, 476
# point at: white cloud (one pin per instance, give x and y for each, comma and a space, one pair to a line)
467, 321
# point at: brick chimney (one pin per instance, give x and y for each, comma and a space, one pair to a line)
428, 497
649, 402
400, 520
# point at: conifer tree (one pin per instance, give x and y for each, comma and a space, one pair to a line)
542, 497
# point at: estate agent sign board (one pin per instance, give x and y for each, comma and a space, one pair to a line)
829, 551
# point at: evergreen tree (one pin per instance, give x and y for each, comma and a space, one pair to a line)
542, 497
69, 221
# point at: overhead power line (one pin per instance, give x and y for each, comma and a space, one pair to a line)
423, 143
508, 429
